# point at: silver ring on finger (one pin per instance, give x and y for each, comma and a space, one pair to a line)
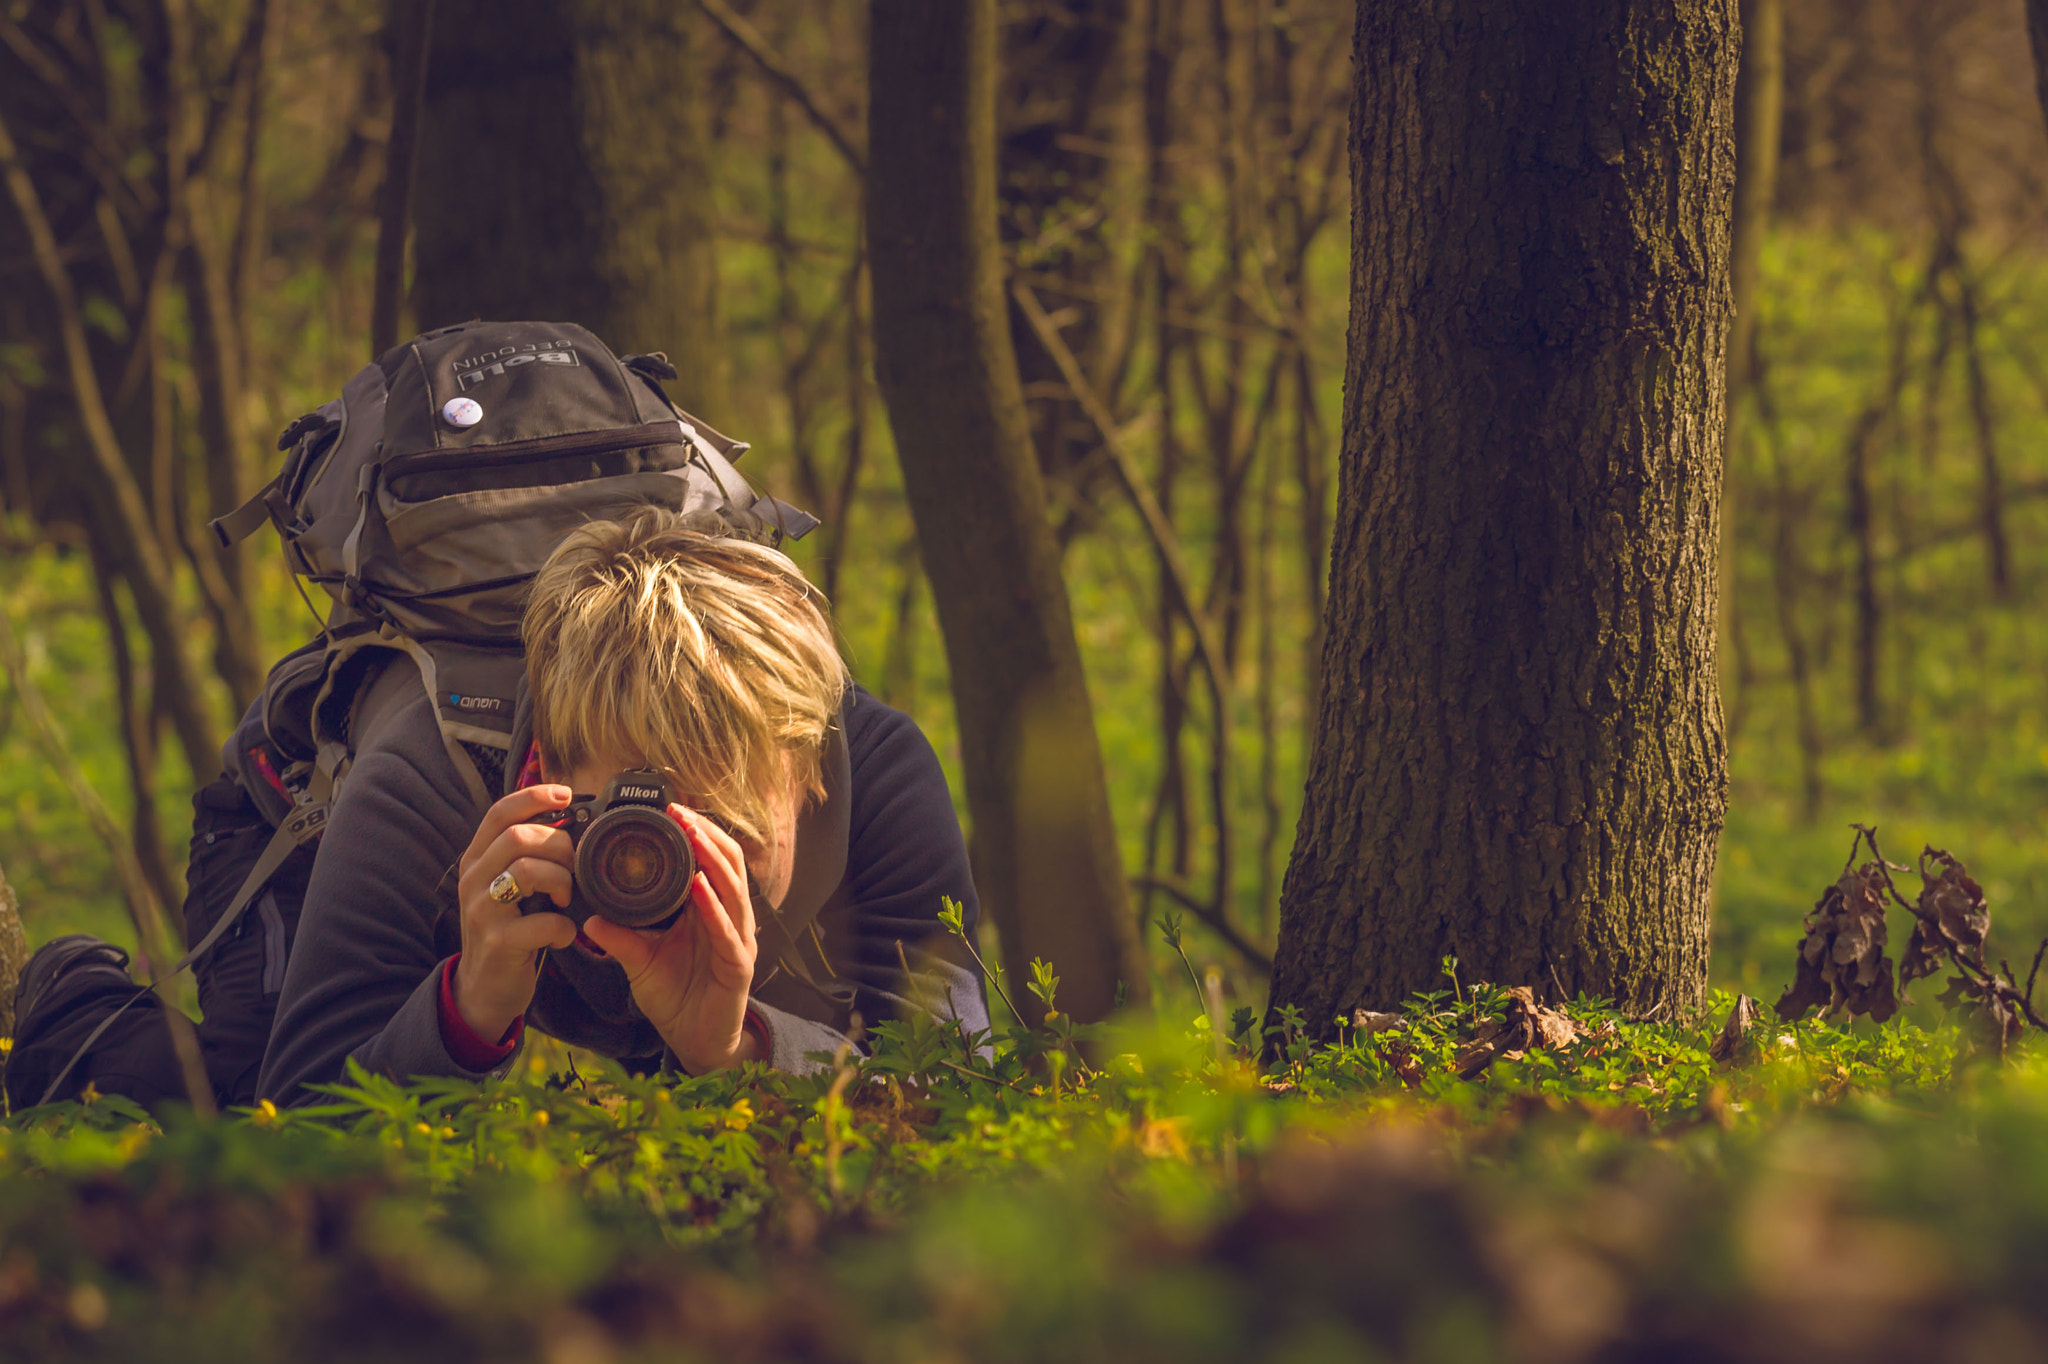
504, 887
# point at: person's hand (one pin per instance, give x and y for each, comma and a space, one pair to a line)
495, 978
691, 979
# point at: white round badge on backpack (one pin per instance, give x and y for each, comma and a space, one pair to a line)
462, 412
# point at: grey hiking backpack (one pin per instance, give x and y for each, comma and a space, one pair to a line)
427, 495
423, 500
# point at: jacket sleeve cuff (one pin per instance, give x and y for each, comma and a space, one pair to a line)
794, 1043
465, 1048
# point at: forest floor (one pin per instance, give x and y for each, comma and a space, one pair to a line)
1479, 1177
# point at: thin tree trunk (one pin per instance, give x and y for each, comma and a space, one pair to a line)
223, 439
853, 454
1788, 577
13, 953
140, 743
246, 246
411, 26
1861, 523
599, 212
1859, 512
1265, 706
1991, 476
111, 484
2037, 34
1785, 584
1759, 119
899, 665
1045, 851
1519, 758
152, 926
1170, 798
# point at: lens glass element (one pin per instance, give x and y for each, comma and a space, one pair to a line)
633, 862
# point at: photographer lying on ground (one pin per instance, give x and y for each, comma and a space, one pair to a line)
709, 661
766, 849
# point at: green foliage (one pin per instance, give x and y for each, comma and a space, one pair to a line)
997, 1194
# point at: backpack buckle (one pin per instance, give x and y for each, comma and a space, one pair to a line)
360, 598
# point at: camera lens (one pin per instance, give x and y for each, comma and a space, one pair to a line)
634, 866
633, 862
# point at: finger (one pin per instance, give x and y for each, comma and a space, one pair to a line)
718, 920
515, 809
539, 876
624, 945
718, 837
720, 858
529, 933
536, 841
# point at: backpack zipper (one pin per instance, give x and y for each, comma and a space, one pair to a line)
539, 448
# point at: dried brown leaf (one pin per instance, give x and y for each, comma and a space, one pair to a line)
1951, 915
1842, 963
1368, 1022
1524, 1026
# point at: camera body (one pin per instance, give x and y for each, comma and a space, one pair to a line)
633, 863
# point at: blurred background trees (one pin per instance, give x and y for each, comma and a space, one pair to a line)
210, 179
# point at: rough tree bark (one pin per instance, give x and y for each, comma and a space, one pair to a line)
564, 173
1045, 852
1518, 758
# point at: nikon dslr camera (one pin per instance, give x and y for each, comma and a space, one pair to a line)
633, 863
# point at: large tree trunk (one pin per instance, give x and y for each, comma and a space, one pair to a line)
564, 172
1045, 852
1518, 760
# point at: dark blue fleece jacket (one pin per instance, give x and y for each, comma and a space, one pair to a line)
380, 916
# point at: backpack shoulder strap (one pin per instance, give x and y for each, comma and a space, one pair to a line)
824, 830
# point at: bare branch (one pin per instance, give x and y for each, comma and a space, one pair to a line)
150, 576
108, 157
1180, 578
749, 40
144, 907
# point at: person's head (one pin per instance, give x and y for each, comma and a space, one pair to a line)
707, 658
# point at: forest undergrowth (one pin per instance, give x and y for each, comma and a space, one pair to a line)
1482, 1175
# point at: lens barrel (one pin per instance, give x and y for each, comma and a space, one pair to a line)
634, 866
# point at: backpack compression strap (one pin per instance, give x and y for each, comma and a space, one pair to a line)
304, 825
297, 829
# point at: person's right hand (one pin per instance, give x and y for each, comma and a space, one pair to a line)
494, 980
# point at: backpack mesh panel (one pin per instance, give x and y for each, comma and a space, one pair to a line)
490, 764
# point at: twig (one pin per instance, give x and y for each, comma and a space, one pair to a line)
992, 1079
148, 568
144, 908
749, 40
1178, 575
2036, 970
1884, 868
993, 979
1237, 942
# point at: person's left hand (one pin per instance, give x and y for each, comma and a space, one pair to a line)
691, 979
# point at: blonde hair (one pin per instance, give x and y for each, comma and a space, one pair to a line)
707, 658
